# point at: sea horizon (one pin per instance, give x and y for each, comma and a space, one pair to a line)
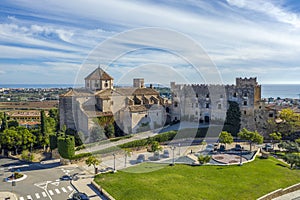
268, 90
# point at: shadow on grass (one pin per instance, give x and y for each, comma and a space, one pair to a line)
282, 165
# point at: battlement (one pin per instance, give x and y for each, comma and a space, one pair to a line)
246, 81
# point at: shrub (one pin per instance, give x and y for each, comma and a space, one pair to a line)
27, 156
81, 155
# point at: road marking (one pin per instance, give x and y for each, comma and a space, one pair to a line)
44, 194
50, 192
37, 195
63, 189
22, 198
57, 191
55, 183
70, 188
29, 197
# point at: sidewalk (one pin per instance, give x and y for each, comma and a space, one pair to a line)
8, 195
84, 185
290, 196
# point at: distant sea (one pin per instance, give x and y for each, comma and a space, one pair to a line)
281, 90
38, 85
268, 90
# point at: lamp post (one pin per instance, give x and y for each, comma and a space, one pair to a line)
241, 158
179, 148
114, 162
173, 149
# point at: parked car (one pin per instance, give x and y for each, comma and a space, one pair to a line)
140, 158
80, 196
209, 148
166, 154
268, 147
65, 178
156, 156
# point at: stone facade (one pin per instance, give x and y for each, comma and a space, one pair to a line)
206, 103
131, 107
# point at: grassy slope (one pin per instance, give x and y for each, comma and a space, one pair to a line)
250, 181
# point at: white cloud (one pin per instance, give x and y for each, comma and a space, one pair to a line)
67, 31
269, 9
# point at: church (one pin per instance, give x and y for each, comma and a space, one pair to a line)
133, 109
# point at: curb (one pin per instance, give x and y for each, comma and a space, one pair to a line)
102, 191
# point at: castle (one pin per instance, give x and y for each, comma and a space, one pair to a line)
131, 107
205, 103
139, 108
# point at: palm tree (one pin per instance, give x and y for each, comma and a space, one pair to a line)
92, 160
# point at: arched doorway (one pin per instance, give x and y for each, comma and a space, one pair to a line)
206, 119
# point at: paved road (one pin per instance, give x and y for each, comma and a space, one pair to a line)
147, 134
42, 181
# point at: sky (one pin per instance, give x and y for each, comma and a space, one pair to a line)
193, 41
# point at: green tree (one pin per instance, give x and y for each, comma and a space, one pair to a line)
109, 130
92, 160
10, 139
66, 146
78, 141
12, 123
251, 137
292, 159
53, 141
290, 122
204, 159
225, 138
155, 147
28, 139
298, 141
4, 124
291, 147
43, 122
276, 136
233, 118
44, 136
106, 122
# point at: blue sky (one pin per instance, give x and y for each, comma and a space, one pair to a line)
50, 41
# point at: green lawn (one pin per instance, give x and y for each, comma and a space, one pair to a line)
249, 181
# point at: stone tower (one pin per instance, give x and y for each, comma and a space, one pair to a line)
98, 80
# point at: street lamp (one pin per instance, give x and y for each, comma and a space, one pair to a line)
173, 149
114, 162
241, 158
179, 147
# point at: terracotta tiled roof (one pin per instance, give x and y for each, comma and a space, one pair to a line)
77, 93
93, 111
141, 108
126, 92
98, 74
138, 108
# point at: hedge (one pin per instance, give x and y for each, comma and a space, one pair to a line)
81, 155
163, 137
66, 146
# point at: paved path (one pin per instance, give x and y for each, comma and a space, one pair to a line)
8, 195
290, 196
144, 135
